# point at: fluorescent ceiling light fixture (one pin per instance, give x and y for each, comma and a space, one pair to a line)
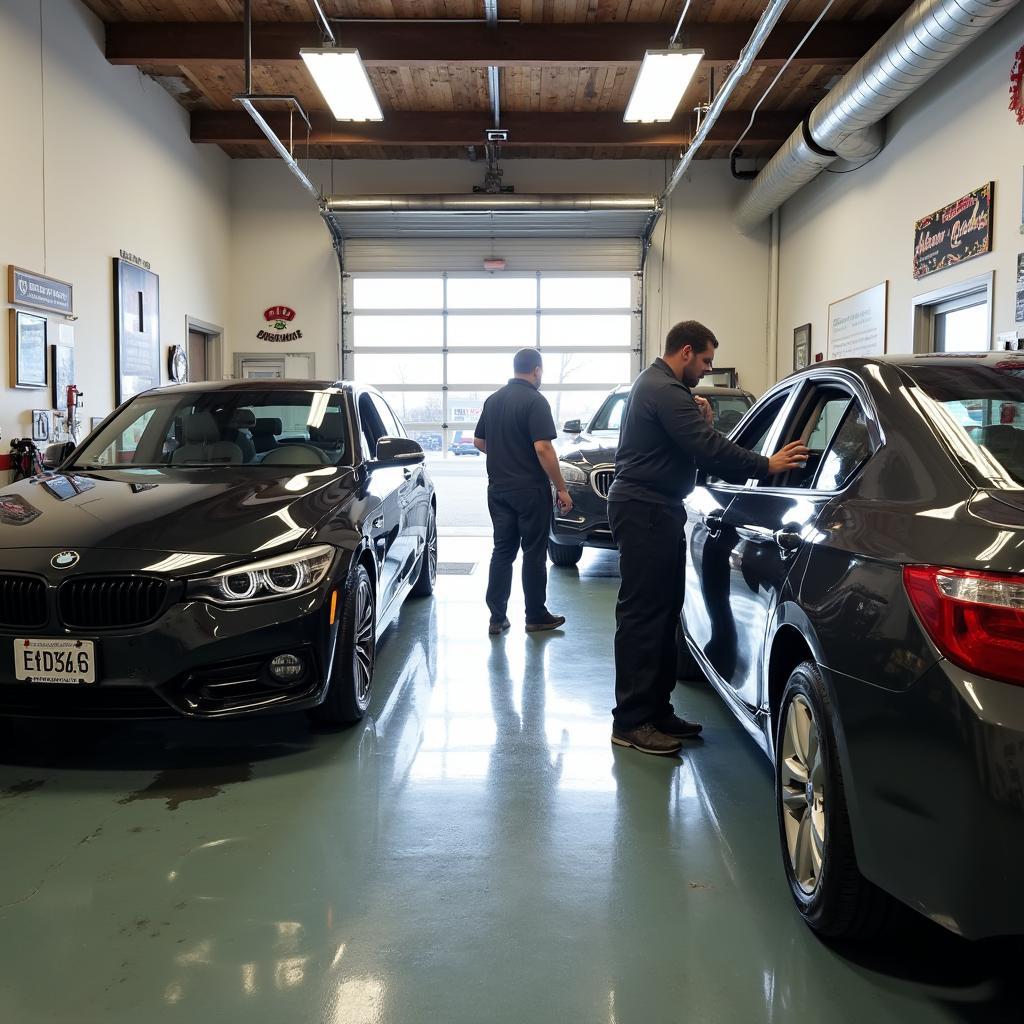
664, 76
343, 82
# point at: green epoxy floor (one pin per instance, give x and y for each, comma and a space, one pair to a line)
476, 851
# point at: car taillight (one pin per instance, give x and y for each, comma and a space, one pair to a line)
975, 618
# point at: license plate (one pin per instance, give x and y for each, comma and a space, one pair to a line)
55, 661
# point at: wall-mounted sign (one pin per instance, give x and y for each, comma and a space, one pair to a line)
278, 318
27, 289
955, 233
856, 325
130, 257
136, 330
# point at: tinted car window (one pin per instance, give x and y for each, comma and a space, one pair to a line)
984, 403
754, 435
609, 416
728, 410
216, 428
850, 446
387, 417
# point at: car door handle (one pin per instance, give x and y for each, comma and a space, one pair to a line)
788, 540
407, 473
378, 523
712, 521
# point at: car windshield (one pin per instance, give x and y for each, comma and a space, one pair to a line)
222, 428
979, 411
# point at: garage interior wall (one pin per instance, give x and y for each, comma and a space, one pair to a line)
846, 232
98, 159
700, 266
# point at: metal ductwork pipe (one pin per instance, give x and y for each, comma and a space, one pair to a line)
846, 124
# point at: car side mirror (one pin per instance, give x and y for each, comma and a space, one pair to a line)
572, 427
55, 454
397, 451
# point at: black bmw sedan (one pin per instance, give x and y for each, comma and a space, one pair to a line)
215, 550
863, 617
588, 464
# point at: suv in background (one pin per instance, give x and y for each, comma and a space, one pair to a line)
588, 465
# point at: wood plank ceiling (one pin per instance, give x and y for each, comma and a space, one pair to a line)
566, 71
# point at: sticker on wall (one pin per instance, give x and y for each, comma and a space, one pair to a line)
1016, 77
278, 318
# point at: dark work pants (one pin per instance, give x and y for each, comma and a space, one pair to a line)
521, 518
652, 565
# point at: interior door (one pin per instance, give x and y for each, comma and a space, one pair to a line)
197, 356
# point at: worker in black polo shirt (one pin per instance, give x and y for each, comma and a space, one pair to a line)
515, 432
666, 434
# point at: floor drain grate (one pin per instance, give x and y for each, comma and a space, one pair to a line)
455, 568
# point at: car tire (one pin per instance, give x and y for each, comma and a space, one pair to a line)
426, 577
351, 682
831, 894
565, 554
686, 664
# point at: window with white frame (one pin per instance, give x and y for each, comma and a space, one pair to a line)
438, 344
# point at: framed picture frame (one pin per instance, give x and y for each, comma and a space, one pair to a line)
42, 426
62, 373
28, 349
721, 377
136, 330
801, 346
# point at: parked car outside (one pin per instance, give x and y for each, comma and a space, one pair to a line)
463, 448
214, 550
588, 465
863, 618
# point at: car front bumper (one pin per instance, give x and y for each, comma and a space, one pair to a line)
934, 778
586, 523
197, 660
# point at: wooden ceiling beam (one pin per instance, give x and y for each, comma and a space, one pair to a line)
403, 128
405, 44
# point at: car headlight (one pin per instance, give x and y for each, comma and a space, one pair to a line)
571, 473
282, 576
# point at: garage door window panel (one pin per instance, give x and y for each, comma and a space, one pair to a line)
398, 293
397, 331
492, 293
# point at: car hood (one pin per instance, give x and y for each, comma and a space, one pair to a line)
230, 511
590, 449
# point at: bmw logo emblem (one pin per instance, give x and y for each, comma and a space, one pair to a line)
64, 559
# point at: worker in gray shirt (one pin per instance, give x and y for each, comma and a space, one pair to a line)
666, 435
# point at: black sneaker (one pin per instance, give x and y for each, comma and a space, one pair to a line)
679, 728
645, 738
496, 627
551, 622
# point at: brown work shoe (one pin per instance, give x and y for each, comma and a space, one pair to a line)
645, 738
679, 728
550, 622
497, 626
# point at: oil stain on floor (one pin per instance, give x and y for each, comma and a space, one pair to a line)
179, 785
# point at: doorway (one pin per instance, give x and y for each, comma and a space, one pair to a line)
957, 318
205, 360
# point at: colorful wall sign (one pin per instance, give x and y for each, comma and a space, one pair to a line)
955, 233
278, 318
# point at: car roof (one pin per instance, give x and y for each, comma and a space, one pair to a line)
275, 384
985, 358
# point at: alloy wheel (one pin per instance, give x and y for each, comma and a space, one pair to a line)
802, 791
364, 646
432, 549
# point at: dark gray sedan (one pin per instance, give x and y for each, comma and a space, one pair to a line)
863, 617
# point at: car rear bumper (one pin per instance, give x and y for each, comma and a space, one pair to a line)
197, 660
934, 778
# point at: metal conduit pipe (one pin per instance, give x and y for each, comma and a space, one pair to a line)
476, 203
762, 30
847, 122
